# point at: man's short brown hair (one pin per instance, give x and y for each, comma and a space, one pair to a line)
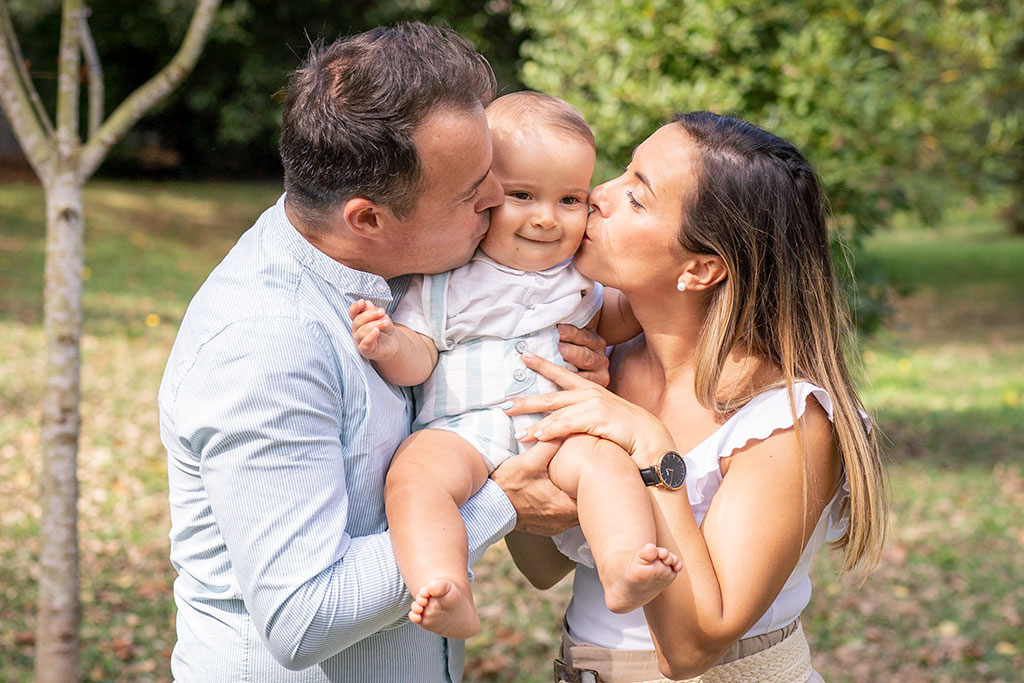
353, 106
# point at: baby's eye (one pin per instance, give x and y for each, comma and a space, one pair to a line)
570, 201
525, 196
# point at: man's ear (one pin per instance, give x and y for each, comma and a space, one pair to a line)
365, 218
702, 271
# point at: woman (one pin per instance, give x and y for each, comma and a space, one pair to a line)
716, 234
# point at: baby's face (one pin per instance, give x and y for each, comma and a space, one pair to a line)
546, 178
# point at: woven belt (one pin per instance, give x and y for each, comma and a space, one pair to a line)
784, 657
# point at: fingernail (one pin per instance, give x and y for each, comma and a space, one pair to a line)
538, 435
527, 354
520, 434
507, 405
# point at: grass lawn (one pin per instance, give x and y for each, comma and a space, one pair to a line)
946, 380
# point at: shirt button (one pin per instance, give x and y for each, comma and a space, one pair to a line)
521, 346
519, 375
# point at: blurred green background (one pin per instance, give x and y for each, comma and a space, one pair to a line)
913, 114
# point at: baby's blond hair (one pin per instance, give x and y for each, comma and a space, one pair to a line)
518, 110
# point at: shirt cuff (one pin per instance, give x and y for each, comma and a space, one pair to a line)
489, 515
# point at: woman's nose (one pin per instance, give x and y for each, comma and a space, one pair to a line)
597, 198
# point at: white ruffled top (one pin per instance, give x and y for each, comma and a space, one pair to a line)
588, 618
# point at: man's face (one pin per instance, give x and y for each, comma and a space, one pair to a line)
452, 213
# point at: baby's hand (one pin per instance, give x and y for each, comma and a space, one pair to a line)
375, 335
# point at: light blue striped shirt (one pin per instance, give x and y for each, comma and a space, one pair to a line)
279, 435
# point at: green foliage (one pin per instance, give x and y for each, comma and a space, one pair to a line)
891, 101
226, 119
878, 95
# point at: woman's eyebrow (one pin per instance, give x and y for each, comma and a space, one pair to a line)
643, 179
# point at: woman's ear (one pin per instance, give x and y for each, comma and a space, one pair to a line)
702, 271
364, 217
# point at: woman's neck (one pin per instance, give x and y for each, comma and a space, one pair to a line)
671, 335
671, 332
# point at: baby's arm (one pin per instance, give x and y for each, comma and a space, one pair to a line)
401, 356
615, 321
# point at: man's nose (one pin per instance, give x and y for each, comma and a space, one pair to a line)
491, 193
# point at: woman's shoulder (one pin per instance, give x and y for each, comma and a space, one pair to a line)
768, 413
764, 419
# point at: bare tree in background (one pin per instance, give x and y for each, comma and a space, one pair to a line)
64, 162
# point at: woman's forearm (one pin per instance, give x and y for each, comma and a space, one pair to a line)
687, 620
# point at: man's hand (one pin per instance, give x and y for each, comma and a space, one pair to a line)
373, 331
541, 507
585, 350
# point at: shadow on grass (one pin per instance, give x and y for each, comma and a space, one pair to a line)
953, 440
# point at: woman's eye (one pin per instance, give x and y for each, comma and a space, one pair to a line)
519, 195
633, 201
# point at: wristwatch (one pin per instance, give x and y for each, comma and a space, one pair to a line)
669, 471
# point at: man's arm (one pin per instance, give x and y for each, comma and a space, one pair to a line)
263, 409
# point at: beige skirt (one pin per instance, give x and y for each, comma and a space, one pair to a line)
780, 656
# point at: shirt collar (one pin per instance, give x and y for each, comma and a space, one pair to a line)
359, 284
481, 257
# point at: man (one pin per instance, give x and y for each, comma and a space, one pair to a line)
278, 433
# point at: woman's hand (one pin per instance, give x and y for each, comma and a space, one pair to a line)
588, 408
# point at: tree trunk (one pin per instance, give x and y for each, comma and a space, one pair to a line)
57, 640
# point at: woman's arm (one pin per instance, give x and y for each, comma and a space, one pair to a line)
751, 538
749, 543
616, 322
538, 559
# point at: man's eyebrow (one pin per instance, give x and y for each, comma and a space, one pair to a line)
643, 179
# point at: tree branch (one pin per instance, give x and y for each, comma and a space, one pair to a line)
152, 91
21, 101
7, 25
68, 84
95, 67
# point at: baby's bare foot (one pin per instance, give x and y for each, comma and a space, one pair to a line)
650, 570
445, 606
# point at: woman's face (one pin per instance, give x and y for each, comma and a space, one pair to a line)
632, 241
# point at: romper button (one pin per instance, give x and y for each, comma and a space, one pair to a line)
519, 375
521, 346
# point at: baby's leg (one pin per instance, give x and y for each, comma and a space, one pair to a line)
432, 474
615, 515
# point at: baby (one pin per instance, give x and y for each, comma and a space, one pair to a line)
462, 335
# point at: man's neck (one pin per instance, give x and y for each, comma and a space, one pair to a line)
351, 253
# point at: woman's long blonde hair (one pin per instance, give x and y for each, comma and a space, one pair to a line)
760, 208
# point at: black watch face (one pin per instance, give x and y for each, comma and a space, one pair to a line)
672, 470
